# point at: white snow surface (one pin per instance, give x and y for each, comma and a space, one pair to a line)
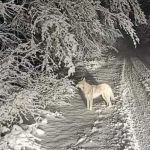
101, 129
125, 126
23, 138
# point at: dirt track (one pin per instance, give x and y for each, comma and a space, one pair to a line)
125, 126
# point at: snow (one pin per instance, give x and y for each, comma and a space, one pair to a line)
52, 115
25, 137
137, 102
19, 139
103, 128
93, 64
129, 125
40, 38
80, 128
125, 126
4, 129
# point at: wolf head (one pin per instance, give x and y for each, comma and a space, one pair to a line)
81, 84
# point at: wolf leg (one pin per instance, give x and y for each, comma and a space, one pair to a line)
109, 104
91, 103
88, 103
107, 100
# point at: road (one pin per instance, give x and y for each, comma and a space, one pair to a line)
125, 126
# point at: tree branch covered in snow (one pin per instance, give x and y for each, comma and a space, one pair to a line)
125, 13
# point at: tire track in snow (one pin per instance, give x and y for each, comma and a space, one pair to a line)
126, 97
138, 103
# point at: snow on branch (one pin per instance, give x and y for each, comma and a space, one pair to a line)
126, 24
7, 38
90, 33
55, 92
139, 16
119, 11
9, 9
22, 105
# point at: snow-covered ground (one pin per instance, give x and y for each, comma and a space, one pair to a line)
101, 129
125, 126
137, 76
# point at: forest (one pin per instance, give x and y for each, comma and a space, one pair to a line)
47, 46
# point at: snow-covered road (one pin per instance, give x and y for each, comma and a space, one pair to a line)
137, 77
125, 126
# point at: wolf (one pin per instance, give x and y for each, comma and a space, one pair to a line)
94, 91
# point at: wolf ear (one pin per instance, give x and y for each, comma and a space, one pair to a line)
84, 79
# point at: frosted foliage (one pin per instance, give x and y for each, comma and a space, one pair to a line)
22, 104
15, 74
127, 25
138, 14
90, 33
120, 11
14, 24
9, 9
55, 33
27, 104
128, 6
120, 6
8, 39
55, 92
